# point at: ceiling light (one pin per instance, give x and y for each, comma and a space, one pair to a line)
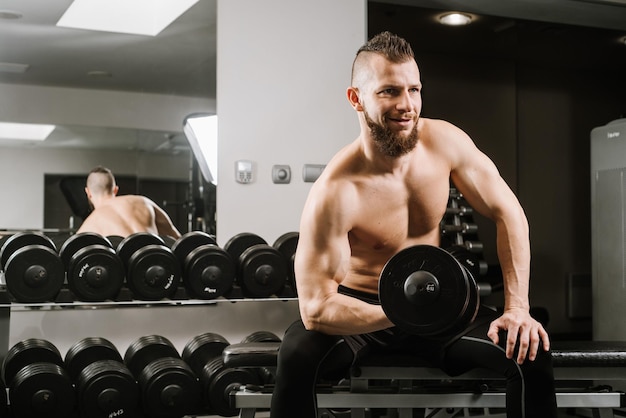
455, 19
25, 131
137, 17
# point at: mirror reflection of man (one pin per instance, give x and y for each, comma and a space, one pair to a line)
122, 215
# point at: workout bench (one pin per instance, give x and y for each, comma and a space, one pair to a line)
580, 369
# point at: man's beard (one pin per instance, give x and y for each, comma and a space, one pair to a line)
388, 142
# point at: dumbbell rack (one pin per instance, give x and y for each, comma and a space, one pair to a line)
121, 309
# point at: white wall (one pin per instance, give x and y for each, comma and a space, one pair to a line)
281, 94
283, 69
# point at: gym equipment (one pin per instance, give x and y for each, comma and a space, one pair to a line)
426, 291
168, 386
469, 259
95, 272
267, 375
204, 355
105, 387
208, 270
39, 386
419, 387
287, 244
33, 270
261, 268
152, 270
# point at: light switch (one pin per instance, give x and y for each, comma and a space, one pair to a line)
281, 174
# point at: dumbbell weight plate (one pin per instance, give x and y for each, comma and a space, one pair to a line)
220, 380
169, 388
153, 273
209, 272
262, 271
425, 291
146, 349
190, 241
236, 245
22, 239
287, 245
261, 337
78, 241
202, 348
87, 351
95, 273
105, 389
42, 390
127, 247
34, 274
25, 352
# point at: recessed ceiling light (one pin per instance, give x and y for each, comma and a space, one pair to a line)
455, 19
10, 14
137, 17
25, 131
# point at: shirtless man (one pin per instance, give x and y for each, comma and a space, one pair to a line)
122, 215
386, 191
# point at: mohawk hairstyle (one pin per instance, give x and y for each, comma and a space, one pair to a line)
393, 47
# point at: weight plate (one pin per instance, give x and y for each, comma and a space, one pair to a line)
115, 240
218, 383
261, 337
262, 271
95, 273
203, 348
468, 259
190, 241
106, 389
240, 242
145, 350
287, 245
87, 351
34, 274
209, 272
169, 388
153, 273
42, 390
78, 241
127, 247
22, 239
425, 291
25, 352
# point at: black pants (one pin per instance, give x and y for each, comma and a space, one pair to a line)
307, 356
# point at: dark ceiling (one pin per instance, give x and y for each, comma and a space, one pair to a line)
522, 41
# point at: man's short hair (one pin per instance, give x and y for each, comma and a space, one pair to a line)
101, 180
393, 47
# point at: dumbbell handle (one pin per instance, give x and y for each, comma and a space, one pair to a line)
464, 228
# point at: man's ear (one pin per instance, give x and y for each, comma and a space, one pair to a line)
353, 97
115, 190
88, 193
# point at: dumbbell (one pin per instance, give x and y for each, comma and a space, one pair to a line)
32, 268
94, 271
287, 244
39, 385
152, 270
261, 268
469, 260
208, 270
203, 353
168, 387
105, 387
425, 291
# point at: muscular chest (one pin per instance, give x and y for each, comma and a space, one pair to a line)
394, 215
